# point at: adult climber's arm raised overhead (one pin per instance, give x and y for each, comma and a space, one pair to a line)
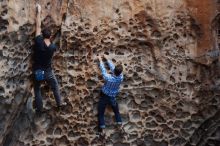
38, 20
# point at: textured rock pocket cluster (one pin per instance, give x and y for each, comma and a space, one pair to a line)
165, 98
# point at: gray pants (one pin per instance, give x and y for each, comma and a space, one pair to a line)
52, 81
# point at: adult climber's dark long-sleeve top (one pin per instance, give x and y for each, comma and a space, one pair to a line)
42, 55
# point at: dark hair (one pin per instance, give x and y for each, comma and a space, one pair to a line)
46, 33
118, 69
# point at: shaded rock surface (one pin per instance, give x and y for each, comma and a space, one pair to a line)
170, 95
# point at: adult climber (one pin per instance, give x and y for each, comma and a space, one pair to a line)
42, 59
109, 92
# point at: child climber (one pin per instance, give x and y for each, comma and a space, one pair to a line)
109, 92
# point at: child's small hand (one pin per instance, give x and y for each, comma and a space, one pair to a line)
104, 56
100, 59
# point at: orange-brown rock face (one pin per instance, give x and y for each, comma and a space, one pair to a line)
169, 51
203, 13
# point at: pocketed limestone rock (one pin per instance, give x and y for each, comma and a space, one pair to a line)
170, 91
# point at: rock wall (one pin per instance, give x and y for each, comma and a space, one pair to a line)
170, 94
